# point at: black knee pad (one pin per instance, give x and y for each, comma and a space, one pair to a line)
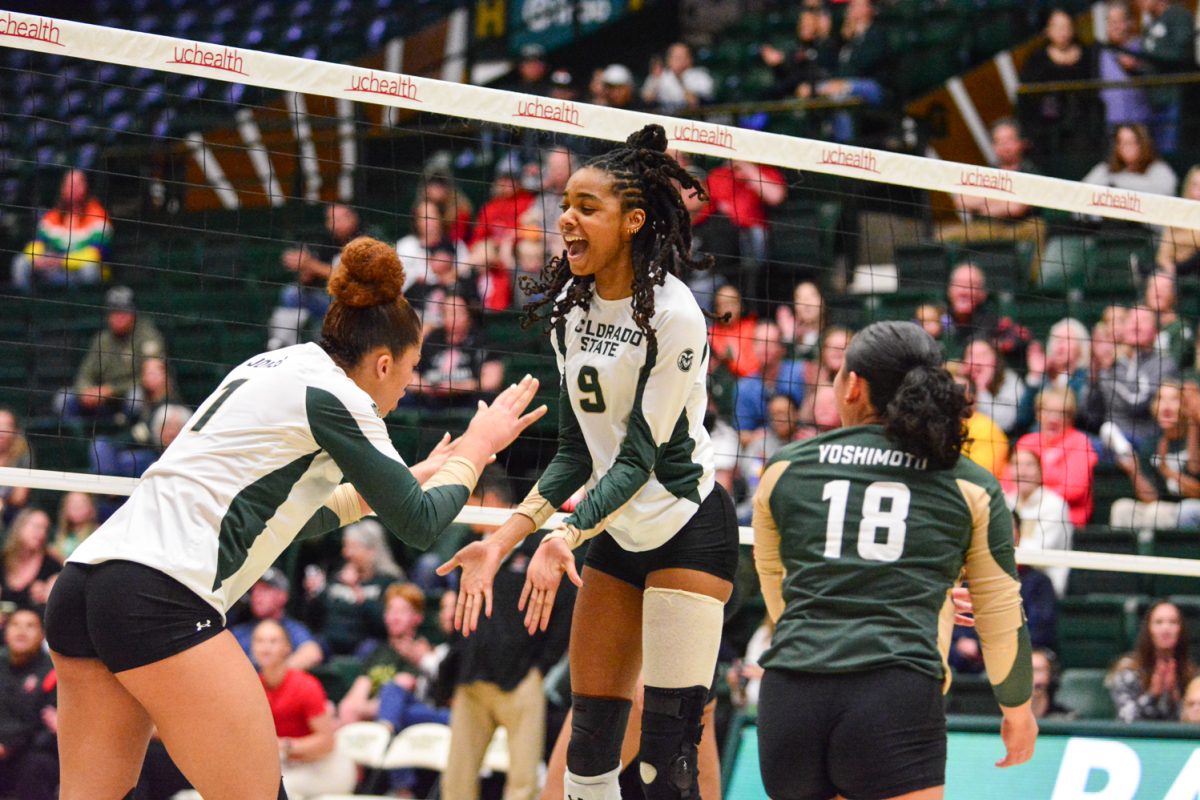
671, 727
597, 730
282, 791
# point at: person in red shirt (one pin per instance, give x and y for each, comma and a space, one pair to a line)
732, 340
303, 721
1068, 459
745, 192
499, 218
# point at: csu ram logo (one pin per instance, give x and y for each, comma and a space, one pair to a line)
685, 359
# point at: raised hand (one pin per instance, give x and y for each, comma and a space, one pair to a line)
542, 578
502, 421
480, 561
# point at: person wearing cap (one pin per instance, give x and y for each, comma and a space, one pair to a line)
71, 242
677, 84
439, 187
562, 85
619, 89
268, 601
114, 358
531, 73
499, 218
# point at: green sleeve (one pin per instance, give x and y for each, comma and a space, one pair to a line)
572, 463
324, 521
366, 456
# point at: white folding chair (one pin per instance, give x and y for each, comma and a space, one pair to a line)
423, 746
364, 743
495, 758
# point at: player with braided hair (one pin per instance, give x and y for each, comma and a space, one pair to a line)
631, 344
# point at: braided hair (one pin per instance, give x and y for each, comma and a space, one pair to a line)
642, 175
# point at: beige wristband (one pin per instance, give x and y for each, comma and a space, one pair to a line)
344, 502
536, 508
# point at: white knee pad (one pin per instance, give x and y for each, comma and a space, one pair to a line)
681, 633
599, 787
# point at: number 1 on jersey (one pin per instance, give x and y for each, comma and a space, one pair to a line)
894, 520
228, 390
589, 384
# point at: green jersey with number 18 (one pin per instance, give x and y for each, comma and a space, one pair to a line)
631, 419
258, 466
858, 544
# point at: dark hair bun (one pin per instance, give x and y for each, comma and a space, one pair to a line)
368, 274
651, 137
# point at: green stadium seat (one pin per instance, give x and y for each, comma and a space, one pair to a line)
336, 676
924, 267
1083, 691
1189, 607
1115, 261
1109, 484
1008, 264
1094, 630
1175, 544
1102, 539
971, 694
1063, 265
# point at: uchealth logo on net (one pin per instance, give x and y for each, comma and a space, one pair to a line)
563, 111
851, 157
388, 84
712, 135
38, 29
979, 178
223, 59
1126, 201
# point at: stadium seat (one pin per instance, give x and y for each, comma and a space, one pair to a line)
364, 743
336, 675
1094, 630
924, 267
495, 758
422, 746
1063, 264
1083, 691
1175, 544
971, 694
1102, 539
1109, 484
1116, 260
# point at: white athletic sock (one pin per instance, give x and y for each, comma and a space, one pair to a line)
597, 787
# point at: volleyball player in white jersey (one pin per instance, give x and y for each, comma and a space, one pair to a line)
632, 349
136, 621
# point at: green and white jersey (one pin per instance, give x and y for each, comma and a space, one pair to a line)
631, 419
257, 467
858, 544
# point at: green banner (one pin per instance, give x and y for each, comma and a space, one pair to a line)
554, 23
1065, 767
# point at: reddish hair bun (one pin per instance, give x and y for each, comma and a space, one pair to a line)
369, 273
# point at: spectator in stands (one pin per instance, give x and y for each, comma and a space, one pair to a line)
29, 568
726, 447
1168, 47
493, 272
303, 723
529, 256
347, 612
532, 72
1176, 339
114, 456
1067, 457
803, 322
931, 317
500, 217
1165, 470
777, 376
77, 519
677, 84
1179, 249
442, 281
402, 660
1094, 408
745, 193
306, 301
1058, 118
1063, 362
456, 364
596, 88
562, 85
28, 713
985, 444
1045, 686
540, 220
834, 341
14, 453
1148, 683
268, 601
1041, 618
1133, 164
114, 359
498, 681
153, 391
998, 390
619, 91
820, 414
732, 335
1191, 702
1137, 374
1043, 518
428, 237
814, 58
862, 62
1122, 106
440, 188
713, 234
970, 317
984, 218
71, 243
782, 426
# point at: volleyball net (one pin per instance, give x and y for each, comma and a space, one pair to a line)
226, 173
